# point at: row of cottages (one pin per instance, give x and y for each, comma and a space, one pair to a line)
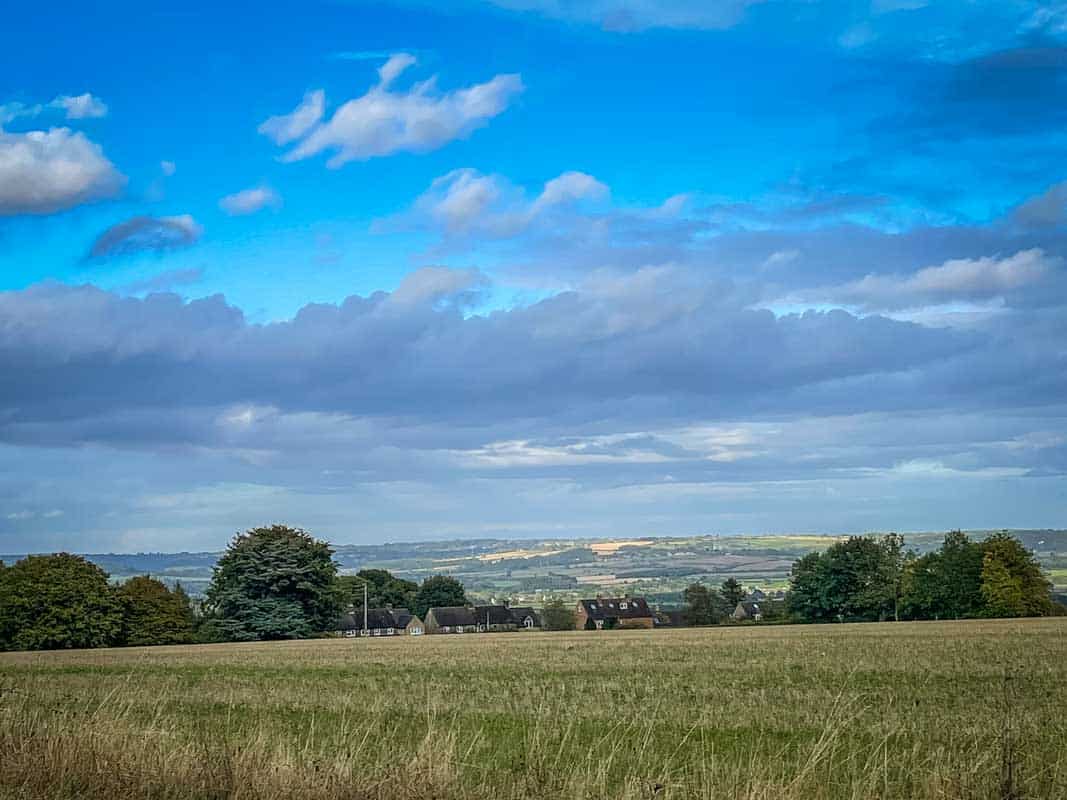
614, 612
480, 619
380, 622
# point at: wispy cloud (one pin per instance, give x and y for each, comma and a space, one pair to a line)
74, 107
249, 201
957, 280
286, 128
384, 121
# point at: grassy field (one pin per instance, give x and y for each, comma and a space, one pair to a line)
910, 710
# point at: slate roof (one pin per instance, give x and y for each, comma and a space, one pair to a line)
616, 608
402, 617
519, 613
496, 615
377, 619
452, 616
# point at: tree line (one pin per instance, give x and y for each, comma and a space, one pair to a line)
272, 582
864, 578
867, 578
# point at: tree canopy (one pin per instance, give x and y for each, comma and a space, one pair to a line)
153, 614
857, 579
703, 606
55, 602
384, 589
865, 578
274, 583
557, 616
439, 590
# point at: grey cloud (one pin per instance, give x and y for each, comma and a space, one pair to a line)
165, 281
79, 350
957, 280
139, 234
1048, 209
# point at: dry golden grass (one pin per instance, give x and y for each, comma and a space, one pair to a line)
910, 710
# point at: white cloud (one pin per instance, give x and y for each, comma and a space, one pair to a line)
382, 121
46, 171
465, 200
431, 285
569, 187
82, 106
287, 128
459, 199
249, 201
957, 280
391, 69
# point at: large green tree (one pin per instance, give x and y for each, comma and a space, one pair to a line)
274, 583
557, 616
153, 614
807, 589
857, 579
732, 592
383, 589
997, 577
57, 601
703, 606
1012, 582
439, 590
945, 584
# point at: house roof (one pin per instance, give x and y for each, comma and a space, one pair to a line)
495, 615
616, 608
402, 617
377, 619
519, 613
747, 608
452, 616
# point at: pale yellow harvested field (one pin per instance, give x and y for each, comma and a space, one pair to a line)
909, 710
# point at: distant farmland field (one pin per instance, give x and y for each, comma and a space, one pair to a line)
909, 710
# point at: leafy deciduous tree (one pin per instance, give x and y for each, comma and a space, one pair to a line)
439, 590
55, 602
153, 614
557, 616
383, 589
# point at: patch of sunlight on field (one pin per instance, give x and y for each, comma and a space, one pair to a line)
843, 712
611, 547
517, 554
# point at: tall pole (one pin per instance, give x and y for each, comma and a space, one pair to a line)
365, 609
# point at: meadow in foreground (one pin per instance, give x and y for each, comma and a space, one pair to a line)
895, 710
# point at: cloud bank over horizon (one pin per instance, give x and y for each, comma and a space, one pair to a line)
597, 283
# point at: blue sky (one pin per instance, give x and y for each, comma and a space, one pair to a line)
530, 267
